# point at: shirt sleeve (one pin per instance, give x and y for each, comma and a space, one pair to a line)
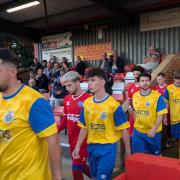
161, 106
166, 95
41, 118
121, 121
81, 122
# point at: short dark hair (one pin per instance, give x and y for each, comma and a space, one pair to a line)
177, 74
161, 74
45, 61
138, 68
97, 72
7, 56
145, 74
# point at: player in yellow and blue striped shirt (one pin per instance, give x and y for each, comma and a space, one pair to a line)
172, 98
149, 107
103, 122
29, 146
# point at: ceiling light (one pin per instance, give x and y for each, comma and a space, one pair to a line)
27, 5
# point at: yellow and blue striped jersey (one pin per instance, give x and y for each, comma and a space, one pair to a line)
147, 108
104, 120
25, 120
172, 97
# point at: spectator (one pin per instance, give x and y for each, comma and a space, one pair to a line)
41, 81
44, 64
64, 59
31, 74
32, 84
152, 60
36, 65
118, 63
57, 95
65, 68
80, 66
105, 63
47, 71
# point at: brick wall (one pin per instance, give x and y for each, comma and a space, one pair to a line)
171, 68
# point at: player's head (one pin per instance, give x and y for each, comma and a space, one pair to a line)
8, 68
97, 80
161, 80
72, 82
177, 77
137, 70
144, 81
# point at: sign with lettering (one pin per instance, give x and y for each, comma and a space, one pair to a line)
160, 19
93, 52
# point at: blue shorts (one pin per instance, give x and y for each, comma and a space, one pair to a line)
101, 160
175, 130
143, 144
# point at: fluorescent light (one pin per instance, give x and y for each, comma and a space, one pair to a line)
27, 5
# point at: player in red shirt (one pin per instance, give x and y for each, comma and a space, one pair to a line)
133, 88
73, 104
161, 83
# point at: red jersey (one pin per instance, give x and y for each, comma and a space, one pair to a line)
133, 88
72, 108
160, 89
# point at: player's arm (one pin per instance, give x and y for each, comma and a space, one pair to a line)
121, 124
42, 122
160, 110
82, 135
54, 156
152, 132
126, 141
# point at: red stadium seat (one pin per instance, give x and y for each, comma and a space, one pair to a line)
121, 177
119, 76
58, 111
47, 95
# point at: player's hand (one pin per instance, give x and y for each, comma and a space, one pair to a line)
151, 133
75, 153
165, 120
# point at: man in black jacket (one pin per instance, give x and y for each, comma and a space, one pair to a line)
80, 66
41, 81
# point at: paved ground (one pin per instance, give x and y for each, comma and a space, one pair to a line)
66, 160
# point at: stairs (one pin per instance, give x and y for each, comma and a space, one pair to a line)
167, 66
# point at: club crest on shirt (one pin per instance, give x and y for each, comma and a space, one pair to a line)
147, 104
67, 103
9, 116
80, 104
103, 115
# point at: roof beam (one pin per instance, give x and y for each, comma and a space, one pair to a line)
114, 6
17, 31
